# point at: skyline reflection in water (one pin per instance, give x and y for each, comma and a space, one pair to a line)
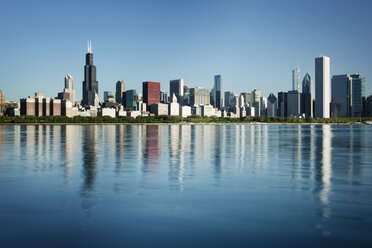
211, 182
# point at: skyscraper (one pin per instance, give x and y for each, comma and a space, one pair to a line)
69, 92
322, 87
120, 89
272, 105
282, 104
306, 101
229, 99
176, 88
90, 85
358, 95
296, 79
217, 92
341, 96
150, 93
294, 103
256, 103
130, 100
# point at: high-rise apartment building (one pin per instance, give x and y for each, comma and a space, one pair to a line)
120, 89
306, 100
176, 88
296, 79
150, 93
217, 92
322, 87
90, 84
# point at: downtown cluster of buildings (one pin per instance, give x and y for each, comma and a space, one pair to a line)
341, 96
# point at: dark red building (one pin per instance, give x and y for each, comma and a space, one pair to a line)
151, 93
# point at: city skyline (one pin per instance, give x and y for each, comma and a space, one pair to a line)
241, 63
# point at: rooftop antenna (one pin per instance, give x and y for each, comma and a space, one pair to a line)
89, 46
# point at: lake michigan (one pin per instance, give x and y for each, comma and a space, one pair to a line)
185, 185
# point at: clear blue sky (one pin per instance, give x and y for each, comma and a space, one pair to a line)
253, 44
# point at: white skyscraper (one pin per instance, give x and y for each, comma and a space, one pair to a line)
322, 87
296, 78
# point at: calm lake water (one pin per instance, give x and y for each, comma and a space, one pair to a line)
185, 186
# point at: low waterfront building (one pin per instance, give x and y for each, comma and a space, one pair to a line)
159, 109
185, 111
111, 112
28, 106
55, 107
207, 110
134, 114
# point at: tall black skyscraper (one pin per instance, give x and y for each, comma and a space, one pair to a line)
90, 85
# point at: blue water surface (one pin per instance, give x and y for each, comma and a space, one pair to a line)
185, 185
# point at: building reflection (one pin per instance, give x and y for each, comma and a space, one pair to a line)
68, 147
120, 147
323, 167
89, 152
218, 151
152, 150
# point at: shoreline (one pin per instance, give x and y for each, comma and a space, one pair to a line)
185, 123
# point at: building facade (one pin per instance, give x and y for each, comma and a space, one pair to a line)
199, 96
108, 95
163, 97
150, 93
358, 95
341, 96
272, 105
130, 102
282, 104
294, 103
322, 87
229, 99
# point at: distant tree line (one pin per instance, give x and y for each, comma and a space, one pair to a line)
176, 119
